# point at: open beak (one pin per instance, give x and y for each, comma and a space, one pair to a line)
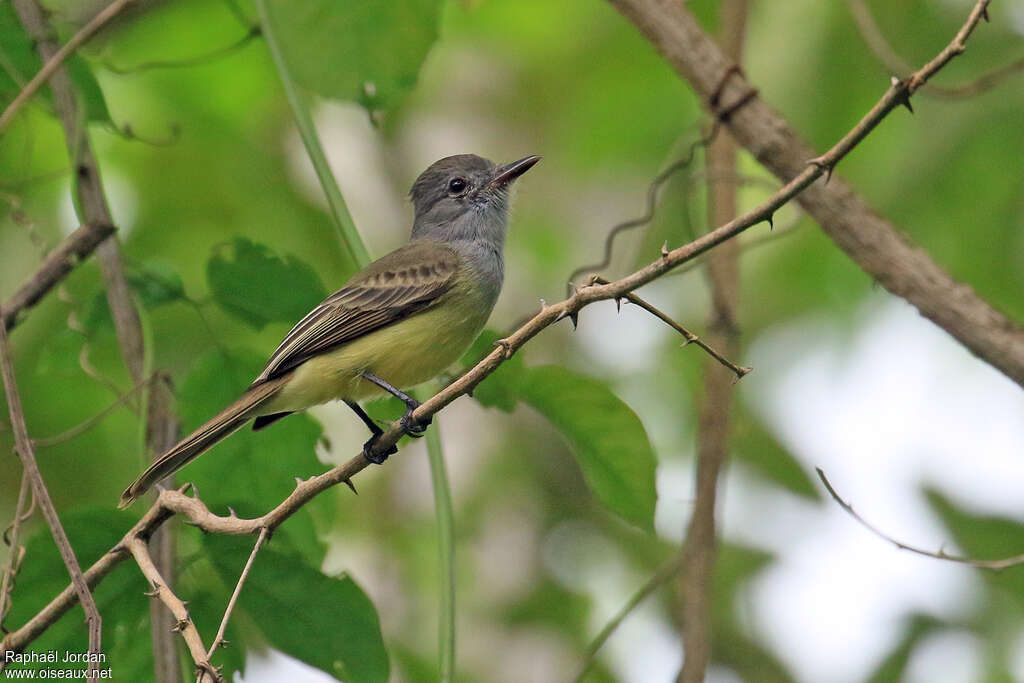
509, 172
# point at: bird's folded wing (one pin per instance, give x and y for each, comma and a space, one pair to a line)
394, 287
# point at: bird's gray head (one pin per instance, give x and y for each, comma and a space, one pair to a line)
465, 197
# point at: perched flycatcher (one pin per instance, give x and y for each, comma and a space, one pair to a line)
398, 322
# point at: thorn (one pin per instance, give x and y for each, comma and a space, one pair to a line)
504, 343
231, 512
348, 483
179, 626
543, 304
575, 318
771, 221
184, 488
820, 163
903, 96
153, 593
298, 481
664, 249
618, 304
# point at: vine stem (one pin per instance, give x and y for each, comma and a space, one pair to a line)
307, 131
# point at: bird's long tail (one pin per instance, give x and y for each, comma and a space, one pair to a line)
198, 442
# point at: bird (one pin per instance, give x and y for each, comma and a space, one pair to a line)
400, 321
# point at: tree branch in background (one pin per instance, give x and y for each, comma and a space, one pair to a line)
1005, 563
170, 503
869, 240
55, 267
657, 580
699, 545
91, 203
17, 551
892, 60
23, 445
53, 62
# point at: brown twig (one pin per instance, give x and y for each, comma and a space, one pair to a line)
873, 243
92, 203
23, 444
892, 60
700, 544
55, 267
996, 565
54, 61
170, 503
690, 337
137, 546
665, 574
17, 551
219, 639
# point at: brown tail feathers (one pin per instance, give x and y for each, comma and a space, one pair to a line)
198, 442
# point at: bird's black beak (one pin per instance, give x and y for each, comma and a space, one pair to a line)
509, 172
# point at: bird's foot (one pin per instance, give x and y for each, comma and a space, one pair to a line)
412, 427
372, 456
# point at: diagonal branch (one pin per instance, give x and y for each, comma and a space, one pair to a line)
892, 60
23, 445
997, 565
219, 639
56, 59
869, 240
170, 503
139, 549
56, 266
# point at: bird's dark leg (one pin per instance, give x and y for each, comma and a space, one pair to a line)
411, 427
376, 432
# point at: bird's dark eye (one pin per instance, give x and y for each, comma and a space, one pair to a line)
457, 185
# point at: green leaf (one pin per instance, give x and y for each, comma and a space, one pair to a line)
327, 622
119, 598
606, 436
369, 51
156, 283
985, 538
501, 388
259, 287
19, 62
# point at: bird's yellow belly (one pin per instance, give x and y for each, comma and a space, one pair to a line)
404, 354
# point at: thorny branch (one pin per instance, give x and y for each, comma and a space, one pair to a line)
23, 445
139, 549
170, 503
690, 337
1004, 563
219, 639
873, 243
876, 41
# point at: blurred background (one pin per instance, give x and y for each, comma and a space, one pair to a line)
925, 441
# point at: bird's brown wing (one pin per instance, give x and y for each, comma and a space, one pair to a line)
390, 289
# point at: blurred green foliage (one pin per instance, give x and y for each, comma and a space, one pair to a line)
216, 210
